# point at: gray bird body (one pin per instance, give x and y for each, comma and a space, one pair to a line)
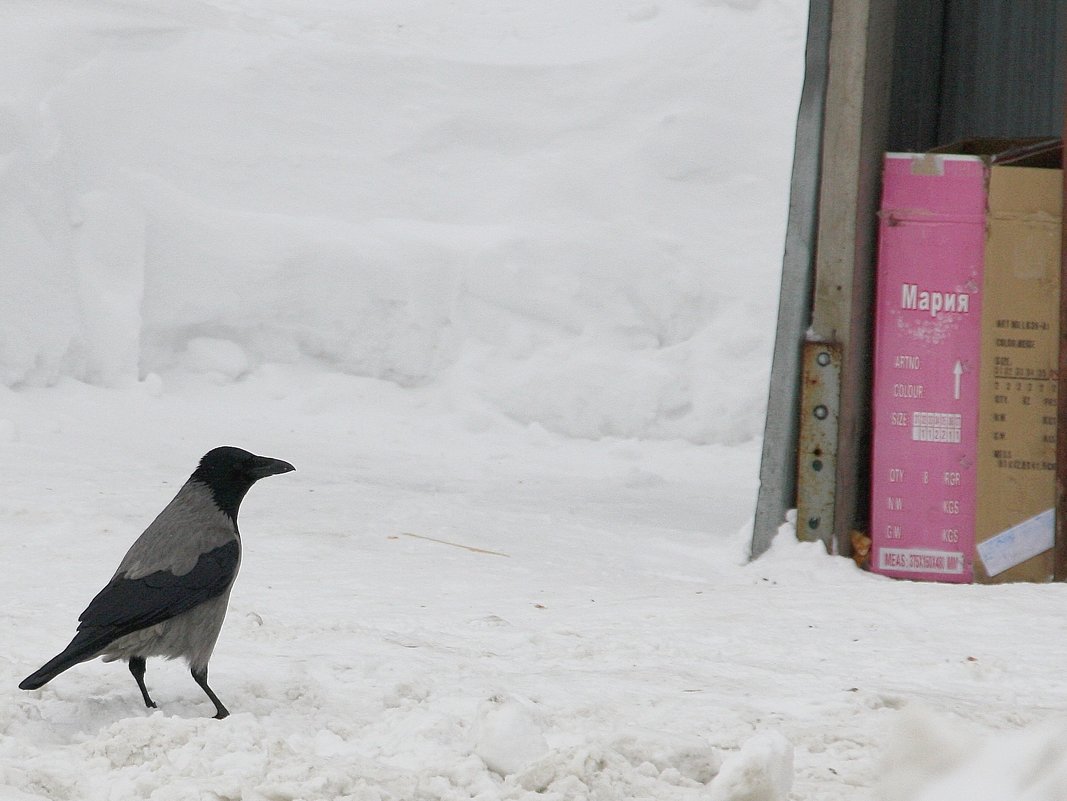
169, 595
189, 526
191, 635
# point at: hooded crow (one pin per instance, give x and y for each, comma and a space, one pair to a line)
168, 597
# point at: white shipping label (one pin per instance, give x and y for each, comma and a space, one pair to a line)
1015, 545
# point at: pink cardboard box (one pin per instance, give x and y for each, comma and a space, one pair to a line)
967, 302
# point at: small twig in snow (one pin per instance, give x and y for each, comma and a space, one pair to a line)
455, 544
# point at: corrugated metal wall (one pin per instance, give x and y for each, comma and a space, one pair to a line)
968, 68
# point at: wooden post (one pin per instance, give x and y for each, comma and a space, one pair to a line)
857, 103
846, 94
1059, 562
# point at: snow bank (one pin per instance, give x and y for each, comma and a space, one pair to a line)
256, 758
564, 213
934, 758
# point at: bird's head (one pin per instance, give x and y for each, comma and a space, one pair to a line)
229, 473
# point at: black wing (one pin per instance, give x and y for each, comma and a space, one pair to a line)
128, 605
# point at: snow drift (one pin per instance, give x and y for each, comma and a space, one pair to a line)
570, 214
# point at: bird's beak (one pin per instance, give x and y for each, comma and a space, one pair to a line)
264, 466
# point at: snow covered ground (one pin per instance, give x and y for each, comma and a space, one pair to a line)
500, 280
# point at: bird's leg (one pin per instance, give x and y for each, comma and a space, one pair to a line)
200, 677
137, 668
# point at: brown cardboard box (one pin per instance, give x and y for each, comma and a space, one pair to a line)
1017, 376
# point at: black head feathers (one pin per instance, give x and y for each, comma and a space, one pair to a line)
229, 473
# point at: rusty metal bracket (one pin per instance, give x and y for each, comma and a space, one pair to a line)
817, 447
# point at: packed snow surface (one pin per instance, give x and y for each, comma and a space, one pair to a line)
499, 278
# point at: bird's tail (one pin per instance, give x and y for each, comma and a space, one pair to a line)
85, 645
